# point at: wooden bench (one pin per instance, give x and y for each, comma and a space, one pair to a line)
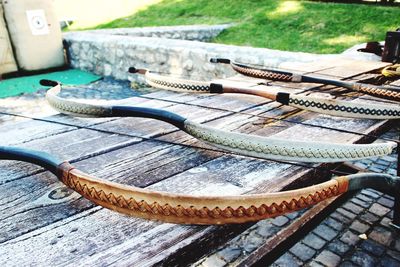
45, 223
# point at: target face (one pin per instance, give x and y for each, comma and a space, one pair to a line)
37, 22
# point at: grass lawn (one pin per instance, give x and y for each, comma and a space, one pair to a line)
89, 13
285, 25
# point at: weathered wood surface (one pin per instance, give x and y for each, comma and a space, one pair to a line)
44, 223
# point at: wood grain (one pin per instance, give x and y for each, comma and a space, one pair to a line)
46, 224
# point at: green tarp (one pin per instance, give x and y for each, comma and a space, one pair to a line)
30, 84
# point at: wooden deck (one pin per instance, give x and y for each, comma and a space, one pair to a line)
43, 222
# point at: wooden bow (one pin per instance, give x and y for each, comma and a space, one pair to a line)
244, 144
320, 105
187, 209
387, 92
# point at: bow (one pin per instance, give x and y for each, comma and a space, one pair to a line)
245, 144
321, 105
187, 209
387, 92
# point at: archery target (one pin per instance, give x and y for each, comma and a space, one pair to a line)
37, 22
35, 34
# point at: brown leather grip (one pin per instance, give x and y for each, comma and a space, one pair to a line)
186, 209
263, 74
377, 91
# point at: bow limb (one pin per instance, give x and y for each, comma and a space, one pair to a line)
270, 74
320, 105
349, 109
281, 149
171, 83
189, 209
386, 92
40, 158
184, 85
72, 107
244, 144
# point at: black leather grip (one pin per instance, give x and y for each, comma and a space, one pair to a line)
42, 159
132, 70
46, 82
216, 88
283, 98
220, 60
158, 114
382, 182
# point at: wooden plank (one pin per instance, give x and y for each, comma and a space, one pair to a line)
396, 83
9, 119
22, 188
161, 171
29, 201
173, 96
73, 145
27, 105
260, 126
58, 228
190, 181
349, 68
28, 130
269, 251
336, 67
242, 177
150, 127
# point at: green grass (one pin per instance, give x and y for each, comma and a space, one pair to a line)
286, 25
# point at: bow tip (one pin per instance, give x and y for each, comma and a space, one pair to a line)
220, 60
132, 70
135, 70
45, 82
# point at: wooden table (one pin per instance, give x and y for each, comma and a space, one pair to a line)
43, 222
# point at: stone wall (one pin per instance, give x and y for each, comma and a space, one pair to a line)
112, 52
203, 33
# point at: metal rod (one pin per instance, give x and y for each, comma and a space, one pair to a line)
396, 212
396, 209
398, 153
